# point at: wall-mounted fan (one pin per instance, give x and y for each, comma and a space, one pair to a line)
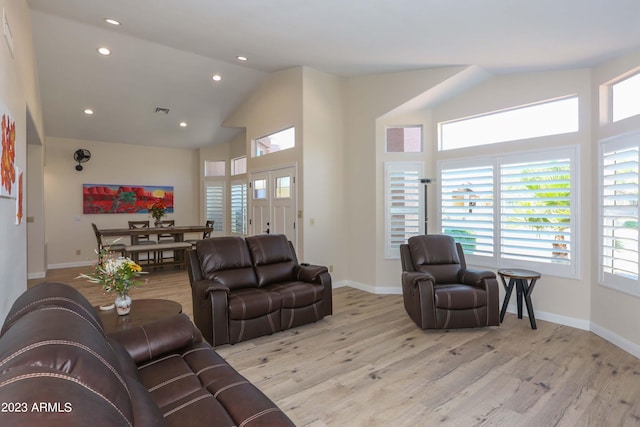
81, 155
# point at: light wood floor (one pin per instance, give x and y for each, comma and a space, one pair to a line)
369, 365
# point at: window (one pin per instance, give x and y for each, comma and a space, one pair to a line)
214, 168
239, 207
513, 211
624, 98
406, 139
214, 204
543, 119
260, 189
535, 211
619, 214
283, 187
239, 165
403, 204
278, 141
467, 207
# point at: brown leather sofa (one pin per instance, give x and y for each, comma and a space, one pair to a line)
440, 292
58, 368
243, 288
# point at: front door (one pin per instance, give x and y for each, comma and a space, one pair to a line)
273, 203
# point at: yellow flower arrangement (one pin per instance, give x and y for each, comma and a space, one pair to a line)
115, 274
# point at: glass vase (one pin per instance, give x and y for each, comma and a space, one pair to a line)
123, 304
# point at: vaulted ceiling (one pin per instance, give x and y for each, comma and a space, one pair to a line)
164, 53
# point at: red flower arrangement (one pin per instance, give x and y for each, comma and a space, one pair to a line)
157, 209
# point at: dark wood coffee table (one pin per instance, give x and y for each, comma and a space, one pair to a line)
142, 311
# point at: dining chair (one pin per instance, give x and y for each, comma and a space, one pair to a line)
166, 237
142, 239
110, 247
162, 256
206, 234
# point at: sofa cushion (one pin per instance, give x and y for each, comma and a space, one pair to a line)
145, 410
437, 256
198, 387
458, 297
51, 294
273, 258
252, 303
298, 294
226, 260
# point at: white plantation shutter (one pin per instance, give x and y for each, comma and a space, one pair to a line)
403, 204
516, 211
467, 207
239, 207
619, 212
535, 211
214, 203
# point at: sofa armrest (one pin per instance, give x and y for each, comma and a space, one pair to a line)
412, 278
309, 273
474, 277
202, 288
153, 339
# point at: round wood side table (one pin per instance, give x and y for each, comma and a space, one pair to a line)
142, 311
524, 281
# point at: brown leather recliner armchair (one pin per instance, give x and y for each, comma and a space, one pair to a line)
440, 292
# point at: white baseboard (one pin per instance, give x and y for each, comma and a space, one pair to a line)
387, 290
37, 275
70, 264
552, 317
615, 339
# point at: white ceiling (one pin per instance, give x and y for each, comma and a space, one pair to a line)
166, 51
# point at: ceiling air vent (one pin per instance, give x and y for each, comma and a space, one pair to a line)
162, 110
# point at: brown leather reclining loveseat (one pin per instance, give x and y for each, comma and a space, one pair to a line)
58, 368
243, 288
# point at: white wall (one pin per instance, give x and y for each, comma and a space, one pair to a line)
18, 92
614, 315
322, 195
69, 230
36, 238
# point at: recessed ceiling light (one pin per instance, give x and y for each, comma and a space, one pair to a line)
88, 111
242, 58
104, 51
216, 77
111, 21
183, 124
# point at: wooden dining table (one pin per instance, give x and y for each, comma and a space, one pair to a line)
178, 246
177, 231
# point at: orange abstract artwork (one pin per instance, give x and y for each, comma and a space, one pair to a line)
8, 159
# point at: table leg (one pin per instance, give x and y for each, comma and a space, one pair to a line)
507, 296
519, 294
527, 298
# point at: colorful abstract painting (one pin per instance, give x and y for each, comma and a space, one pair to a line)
105, 198
8, 155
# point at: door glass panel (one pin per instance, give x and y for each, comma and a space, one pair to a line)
260, 189
283, 187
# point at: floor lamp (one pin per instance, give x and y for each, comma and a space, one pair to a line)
426, 182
